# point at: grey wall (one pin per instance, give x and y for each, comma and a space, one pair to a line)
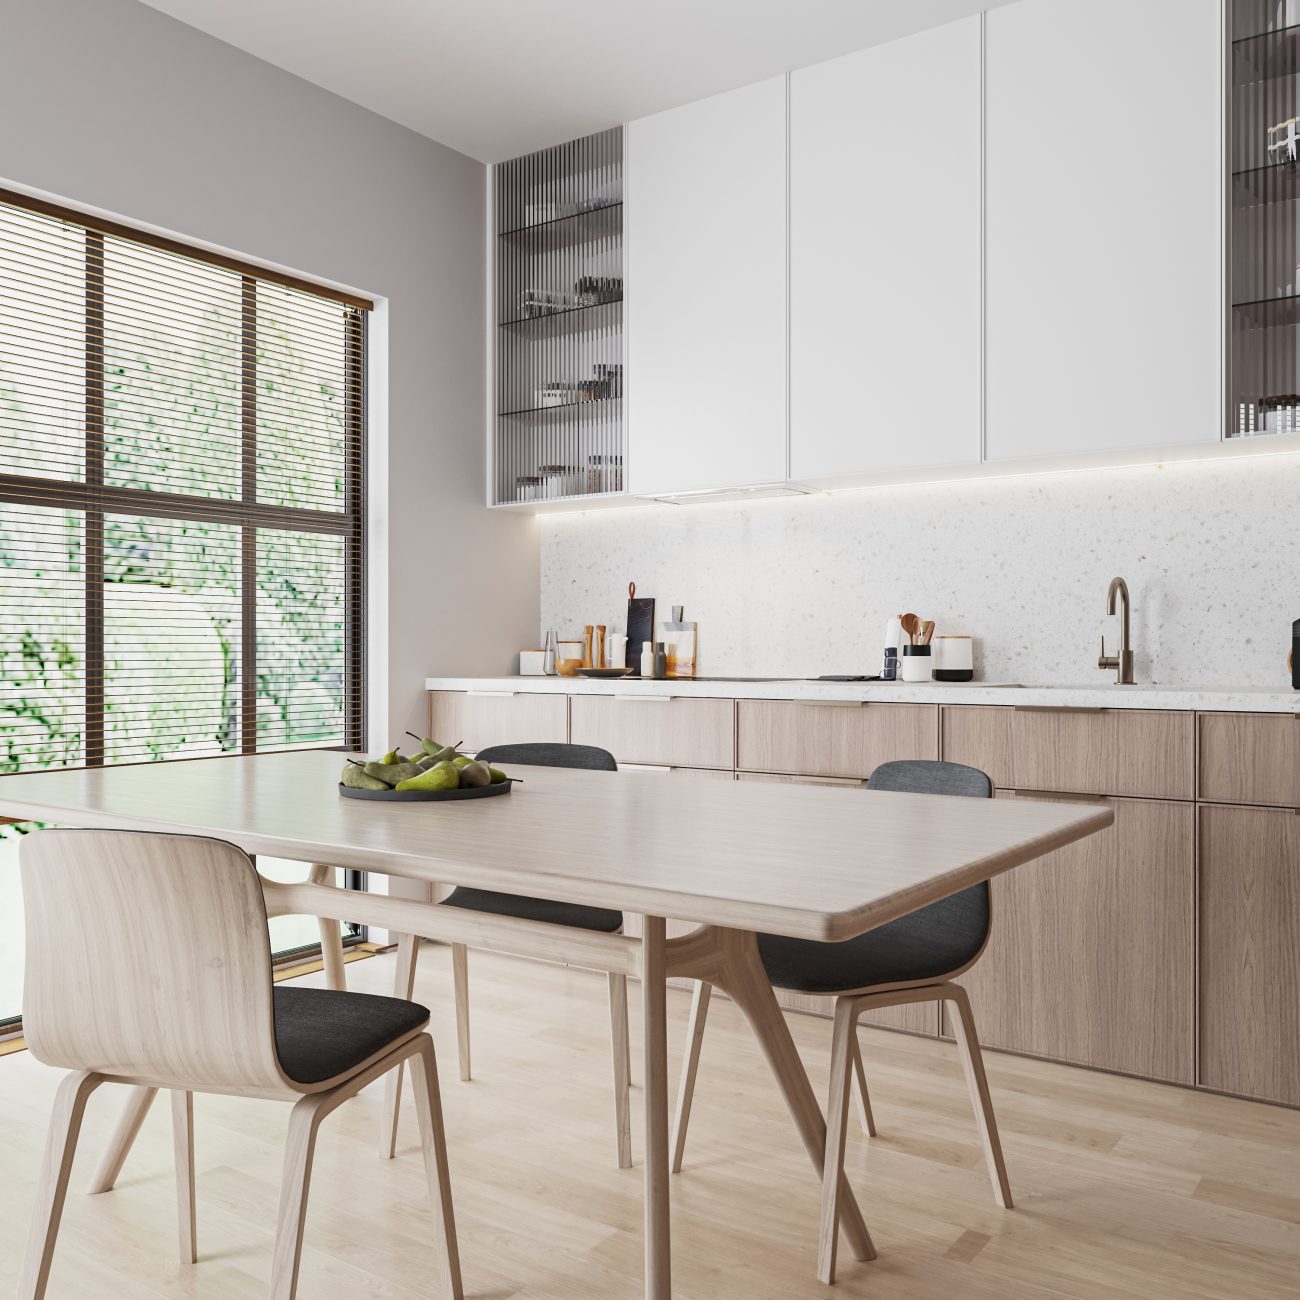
110, 104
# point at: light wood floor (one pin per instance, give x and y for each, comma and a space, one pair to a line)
1123, 1189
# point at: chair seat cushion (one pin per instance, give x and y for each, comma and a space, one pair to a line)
927, 945
321, 1033
574, 915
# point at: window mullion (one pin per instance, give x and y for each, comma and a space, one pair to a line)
93, 541
248, 530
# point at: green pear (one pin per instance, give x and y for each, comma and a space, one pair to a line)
441, 777
475, 774
393, 756
430, 746
498, 776
445, 754
392, 773
356, 778
462, 760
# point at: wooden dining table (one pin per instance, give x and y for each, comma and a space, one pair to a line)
735, 858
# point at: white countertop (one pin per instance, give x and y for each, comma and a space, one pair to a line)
1101, 695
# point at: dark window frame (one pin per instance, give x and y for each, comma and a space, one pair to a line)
94, 499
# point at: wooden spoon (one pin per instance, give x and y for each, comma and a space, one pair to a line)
911, 625
927, 631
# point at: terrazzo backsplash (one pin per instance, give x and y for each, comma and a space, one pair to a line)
801, 586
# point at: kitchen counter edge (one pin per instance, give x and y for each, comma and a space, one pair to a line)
1178, 698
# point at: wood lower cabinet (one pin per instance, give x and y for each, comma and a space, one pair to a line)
1091, 958
832, 739
479, 719
1250, 758
1144, 753
1125, 951
1249, 922
664, 730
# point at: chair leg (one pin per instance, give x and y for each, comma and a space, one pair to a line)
972, 1060
690, 1067
620, 1052
433, 1140
837, 1114
300, 1150
183, 1146
331, 935
865, 1114
52, 1189
124, 1135
460, 983
408, 953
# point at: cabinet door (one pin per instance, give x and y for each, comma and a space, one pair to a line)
1250, 952
1091, 955
848, 739
1104, 220
705, 233
658, 730
885, 258
479, 719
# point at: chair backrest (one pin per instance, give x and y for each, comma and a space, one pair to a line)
928, 776
964, 918
148, 957
551, 754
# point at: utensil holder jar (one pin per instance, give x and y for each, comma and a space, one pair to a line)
916, 664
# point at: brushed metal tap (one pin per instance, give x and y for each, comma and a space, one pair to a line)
1122, 663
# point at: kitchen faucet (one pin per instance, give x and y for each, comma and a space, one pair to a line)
1122, 662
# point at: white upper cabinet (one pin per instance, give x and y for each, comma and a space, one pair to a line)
1103, 226
705, 240
885, 258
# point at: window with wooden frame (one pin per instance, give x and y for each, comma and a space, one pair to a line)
182, 500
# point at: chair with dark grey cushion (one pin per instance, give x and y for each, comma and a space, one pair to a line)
149, 964
575, 915
913, 959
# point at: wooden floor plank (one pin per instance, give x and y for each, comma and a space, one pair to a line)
1126, 1190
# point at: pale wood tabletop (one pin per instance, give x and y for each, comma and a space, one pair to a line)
807, 861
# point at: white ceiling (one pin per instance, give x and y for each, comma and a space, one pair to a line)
497, 78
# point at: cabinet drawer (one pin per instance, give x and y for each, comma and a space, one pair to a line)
480, 720
849, 740
1250, 758
1143, 753
980, 736
1090, 958
664, 730
1250, 952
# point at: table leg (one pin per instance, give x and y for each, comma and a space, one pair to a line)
729, 959
654, 1011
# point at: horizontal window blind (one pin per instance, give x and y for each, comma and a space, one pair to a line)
182, 497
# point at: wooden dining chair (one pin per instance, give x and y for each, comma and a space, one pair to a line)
149, 964
913, 959
574, 915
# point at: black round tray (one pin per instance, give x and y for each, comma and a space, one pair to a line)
428, 796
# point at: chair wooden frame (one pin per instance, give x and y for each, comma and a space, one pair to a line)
846, 1068
408, 951
201, 902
